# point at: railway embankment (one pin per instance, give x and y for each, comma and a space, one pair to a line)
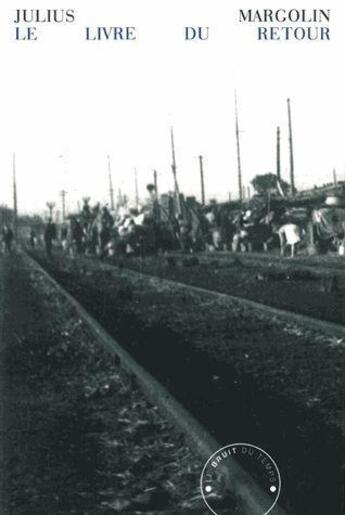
78, 434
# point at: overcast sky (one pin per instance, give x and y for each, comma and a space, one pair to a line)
66, 102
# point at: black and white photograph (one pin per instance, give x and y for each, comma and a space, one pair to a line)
172, 258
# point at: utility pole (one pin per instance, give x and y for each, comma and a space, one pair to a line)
111, 189
155, 182
238, 152
156, 206
335, 182
63, 202
173, 168
292, 170
136, 188
15, 205
202, 180
278, 154
119, 197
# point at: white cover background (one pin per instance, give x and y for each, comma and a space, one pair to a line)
65, 96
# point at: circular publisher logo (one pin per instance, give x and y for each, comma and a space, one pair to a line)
215, 482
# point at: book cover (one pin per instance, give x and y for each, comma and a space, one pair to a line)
171, 270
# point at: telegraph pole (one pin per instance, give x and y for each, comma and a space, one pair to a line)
136, 188
335, 182
173, 168
278, 154
111, 189
155, 182
63, 202
120, 199
156, 206
15, 205
292, 168
238, 153
202, 180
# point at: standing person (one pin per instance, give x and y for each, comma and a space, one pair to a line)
49, 236
7, 236
289, 234
32, 238
64, 237
184, 234
77, 235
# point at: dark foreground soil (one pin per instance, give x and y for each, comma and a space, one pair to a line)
283, 283
77, 434
246, 377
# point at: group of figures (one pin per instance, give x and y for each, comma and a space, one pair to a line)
97, 231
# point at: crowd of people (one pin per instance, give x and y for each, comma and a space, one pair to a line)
153, 228
98, 231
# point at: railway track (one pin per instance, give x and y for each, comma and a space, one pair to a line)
322, 326
282, 284
282, 318
251, 498
320, 265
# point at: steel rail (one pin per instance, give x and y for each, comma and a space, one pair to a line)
323, 326
276, 261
